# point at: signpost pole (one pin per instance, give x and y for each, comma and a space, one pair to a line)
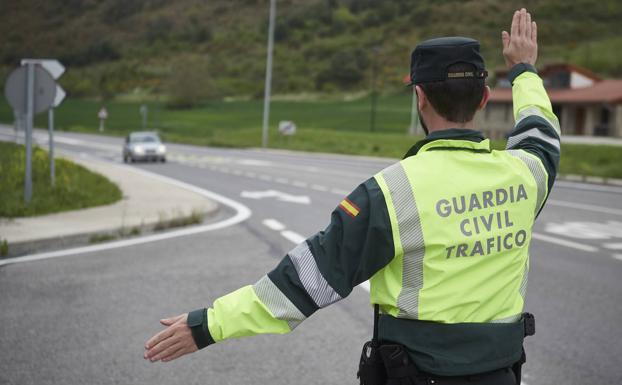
267, 91
51, 146
30, 90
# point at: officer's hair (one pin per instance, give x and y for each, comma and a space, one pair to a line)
456, 99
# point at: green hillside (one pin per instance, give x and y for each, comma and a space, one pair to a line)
198, 49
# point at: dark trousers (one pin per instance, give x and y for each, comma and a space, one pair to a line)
498, 377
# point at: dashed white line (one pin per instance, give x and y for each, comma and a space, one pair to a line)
250, 174
282, 180
339, 192
292, 236
273, 224
298, 183
617, 256
318, 187
563, 242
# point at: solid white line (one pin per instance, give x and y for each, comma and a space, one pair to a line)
242, 214
563, 242
273, 224
582, 206
293, 237
613, 246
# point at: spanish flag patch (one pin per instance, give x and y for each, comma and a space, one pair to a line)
350, 208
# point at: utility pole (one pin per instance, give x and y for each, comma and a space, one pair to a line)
268, 86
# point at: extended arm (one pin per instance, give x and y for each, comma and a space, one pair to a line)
316, 273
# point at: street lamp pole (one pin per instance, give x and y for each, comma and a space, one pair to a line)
267, 88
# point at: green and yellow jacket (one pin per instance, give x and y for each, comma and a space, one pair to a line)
442, 236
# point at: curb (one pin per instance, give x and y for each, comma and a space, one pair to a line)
19, 249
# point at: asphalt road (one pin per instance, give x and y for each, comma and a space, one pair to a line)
83, 319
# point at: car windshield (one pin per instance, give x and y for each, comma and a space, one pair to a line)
144, 138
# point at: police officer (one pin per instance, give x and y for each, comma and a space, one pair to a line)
443, 235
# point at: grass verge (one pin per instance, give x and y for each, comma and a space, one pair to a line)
76, 187
333, 126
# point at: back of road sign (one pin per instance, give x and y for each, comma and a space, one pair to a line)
44, 92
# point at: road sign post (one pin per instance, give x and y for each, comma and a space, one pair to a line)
30, 91
51, 146
102, 115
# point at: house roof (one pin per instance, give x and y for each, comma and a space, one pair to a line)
604, 91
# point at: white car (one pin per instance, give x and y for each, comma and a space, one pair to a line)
145, 146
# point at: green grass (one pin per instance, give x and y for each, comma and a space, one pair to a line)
76, 187
333, 126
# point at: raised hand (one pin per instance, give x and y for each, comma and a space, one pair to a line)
521, 44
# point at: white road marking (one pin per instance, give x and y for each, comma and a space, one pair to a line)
340, 192
617, 256
279, 195
563, 242
242, 213
582, 206
586, 230
613, 246
318, 187
265, 177
250, 174
298, 183
292, 236
282, 180
273, 224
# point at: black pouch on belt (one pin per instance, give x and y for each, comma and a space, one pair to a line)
371, 367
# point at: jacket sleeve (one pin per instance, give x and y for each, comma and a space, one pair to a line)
537, 130
316, 273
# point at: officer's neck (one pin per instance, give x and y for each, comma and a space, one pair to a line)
438, 123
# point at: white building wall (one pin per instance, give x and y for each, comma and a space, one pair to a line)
579, 81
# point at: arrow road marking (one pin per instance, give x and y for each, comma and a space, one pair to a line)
281, 196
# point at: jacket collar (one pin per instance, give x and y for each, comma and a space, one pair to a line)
454, 139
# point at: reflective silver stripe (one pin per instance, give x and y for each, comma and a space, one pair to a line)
532, 133
279, 305
533, 110
538, 173
411, 236
311, 277
507, 320
523, 284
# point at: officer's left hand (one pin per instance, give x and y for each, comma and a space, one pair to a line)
171, 343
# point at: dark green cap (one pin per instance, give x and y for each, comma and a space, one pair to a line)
429, 60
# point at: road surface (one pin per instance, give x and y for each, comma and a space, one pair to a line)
83, 319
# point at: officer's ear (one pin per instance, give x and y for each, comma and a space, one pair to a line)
422, 100
485, 97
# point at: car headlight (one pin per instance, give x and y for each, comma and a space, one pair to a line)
161, 149
139, 149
